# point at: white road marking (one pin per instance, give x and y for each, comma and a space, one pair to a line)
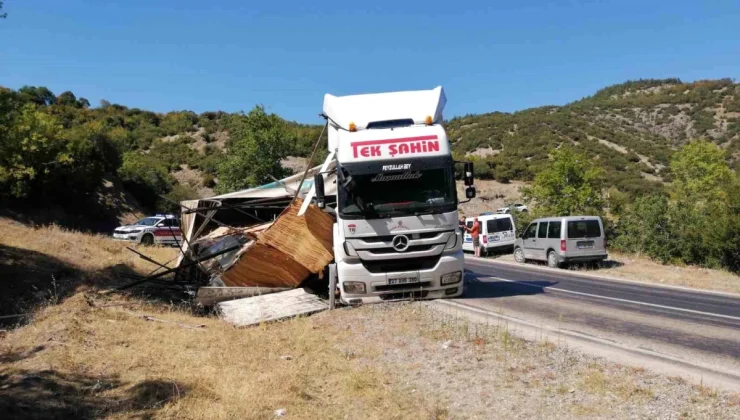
601, 276
734, 318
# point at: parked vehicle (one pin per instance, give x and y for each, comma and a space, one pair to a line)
562, 240
506, 210
161, 229
498, 232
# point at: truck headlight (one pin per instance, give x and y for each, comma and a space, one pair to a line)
451, 278
353, 287
451, 242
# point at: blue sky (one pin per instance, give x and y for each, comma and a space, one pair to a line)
230, 55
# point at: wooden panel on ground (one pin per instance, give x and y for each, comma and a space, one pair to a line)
307, 239
263, 265
209, 296
272, 307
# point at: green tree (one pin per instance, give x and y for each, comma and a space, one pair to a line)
700, 172
569, 185
258, 142
30, 150
67, 98
145, 177
700, 224
646, 227
38, 95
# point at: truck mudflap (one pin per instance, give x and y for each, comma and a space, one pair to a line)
383, 287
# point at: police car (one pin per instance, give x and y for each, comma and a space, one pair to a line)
163, 229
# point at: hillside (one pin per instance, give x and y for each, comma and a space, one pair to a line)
631, 129
59, 152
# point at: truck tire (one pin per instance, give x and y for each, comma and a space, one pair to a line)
552, 260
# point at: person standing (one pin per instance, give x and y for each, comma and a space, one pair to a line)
475, 234
462, 224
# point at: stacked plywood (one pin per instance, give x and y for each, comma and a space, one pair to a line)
286, 252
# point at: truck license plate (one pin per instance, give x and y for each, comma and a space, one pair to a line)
403, 280
585, 245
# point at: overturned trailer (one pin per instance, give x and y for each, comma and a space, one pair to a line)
257, 239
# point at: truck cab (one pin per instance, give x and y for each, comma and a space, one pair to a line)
396, 234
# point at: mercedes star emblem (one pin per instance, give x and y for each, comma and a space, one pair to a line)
400, 243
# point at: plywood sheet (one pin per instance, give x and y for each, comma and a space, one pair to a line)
272, 307
263, 265
307, 239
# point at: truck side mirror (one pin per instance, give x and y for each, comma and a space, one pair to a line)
468, 176
470, 193
318, 183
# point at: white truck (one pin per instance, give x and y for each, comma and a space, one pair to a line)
396, 234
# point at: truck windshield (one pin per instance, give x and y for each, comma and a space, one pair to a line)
399, 194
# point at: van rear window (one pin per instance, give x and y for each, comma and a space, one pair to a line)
584, 229
499, 225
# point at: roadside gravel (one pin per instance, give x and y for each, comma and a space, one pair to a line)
476, 371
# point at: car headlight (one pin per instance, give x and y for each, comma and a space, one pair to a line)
354, 287
451, 278
134, 231
451, 242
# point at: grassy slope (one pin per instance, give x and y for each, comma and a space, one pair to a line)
86, 354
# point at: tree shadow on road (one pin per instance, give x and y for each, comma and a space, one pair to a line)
481, 286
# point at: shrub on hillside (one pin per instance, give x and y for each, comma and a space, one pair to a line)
699, 224
145, 177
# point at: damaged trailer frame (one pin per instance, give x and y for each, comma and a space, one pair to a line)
272, 248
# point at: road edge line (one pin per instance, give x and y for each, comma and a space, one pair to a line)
705, 374
609, 278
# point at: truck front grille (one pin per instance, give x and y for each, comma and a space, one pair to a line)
419, 294
406, 264
386, 287
388, 238
412, 248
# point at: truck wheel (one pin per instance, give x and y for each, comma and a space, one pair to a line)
519, 256
147, 239
552, 260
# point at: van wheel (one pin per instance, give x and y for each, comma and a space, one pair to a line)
519, 256
552, 260
147, 239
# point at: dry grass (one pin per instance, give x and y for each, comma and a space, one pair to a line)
95, 356
637, 268
116, 364
42, 263
641, 268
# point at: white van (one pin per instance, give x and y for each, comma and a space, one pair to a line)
498, 232
562, 240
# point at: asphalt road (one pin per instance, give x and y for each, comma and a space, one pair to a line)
687, 324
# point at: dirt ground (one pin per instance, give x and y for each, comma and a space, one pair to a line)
490, 195
382, 361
